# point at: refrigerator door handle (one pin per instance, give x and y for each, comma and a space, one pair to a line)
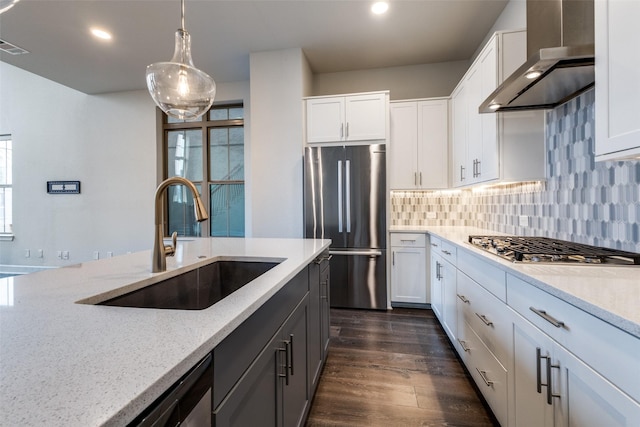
347, 186
373, 252
340, 196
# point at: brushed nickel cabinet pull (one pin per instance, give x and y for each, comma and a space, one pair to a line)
483, 375
550, 394
285, 350
446, 252
555, 322
463, 299
291, 352
463, 344
484, 319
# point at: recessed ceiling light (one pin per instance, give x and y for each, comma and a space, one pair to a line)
101, 34
380, 7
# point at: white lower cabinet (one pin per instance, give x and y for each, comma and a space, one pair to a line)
409, 269
537, 360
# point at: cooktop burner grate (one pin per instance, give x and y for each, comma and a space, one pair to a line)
545, 249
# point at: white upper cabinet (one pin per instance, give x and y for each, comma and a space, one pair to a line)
617, 68
361, 117
419, 144
494, 146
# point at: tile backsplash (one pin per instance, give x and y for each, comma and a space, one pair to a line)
581, 200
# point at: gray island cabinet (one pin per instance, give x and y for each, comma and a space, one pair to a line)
252, 358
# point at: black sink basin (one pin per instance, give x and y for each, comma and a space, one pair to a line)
197, 289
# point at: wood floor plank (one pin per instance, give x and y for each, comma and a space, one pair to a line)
393, 368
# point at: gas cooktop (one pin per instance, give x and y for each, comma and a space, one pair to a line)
547, 250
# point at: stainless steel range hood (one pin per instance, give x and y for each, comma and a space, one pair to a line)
560, 48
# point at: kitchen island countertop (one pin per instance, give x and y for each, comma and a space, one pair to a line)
71, 364
611, 294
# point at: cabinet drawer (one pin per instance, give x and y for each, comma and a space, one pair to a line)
488, 276
448, 251
608, 350
408, 239
487, 316
487, 373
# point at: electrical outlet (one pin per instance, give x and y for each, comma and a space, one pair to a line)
523, 220
27, 253
59, 254
40, 253
96, 255
65, 254
109, 254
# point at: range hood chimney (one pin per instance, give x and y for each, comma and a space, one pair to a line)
560, 48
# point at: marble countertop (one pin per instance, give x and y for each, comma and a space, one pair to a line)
610, 293
68, 364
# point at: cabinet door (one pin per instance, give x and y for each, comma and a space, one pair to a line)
531, 352
433, 144
408, 275
487, 165
436, 283
460, 175
403, 146
616, 67
448, 276
325, 119
254, 399
366, 117
589, 400
295, 397
325, 311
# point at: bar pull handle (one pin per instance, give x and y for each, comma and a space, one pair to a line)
393, 258
555, 322
550, 394
478, 167
421, 179
538, 370
539, 383
434, 245
286, 359
291, 353
483, 375
464, 346
347, 133
415, 178
484, 319
463, 299
408, 240
373, 252
341, 130
462, 168
348, 191
438, 276
340, 196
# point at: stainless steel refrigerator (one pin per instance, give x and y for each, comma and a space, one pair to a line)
344, 196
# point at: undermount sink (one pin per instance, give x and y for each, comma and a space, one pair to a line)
197, 289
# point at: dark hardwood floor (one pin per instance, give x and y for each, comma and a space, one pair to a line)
393, 368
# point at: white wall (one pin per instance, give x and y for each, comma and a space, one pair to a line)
279, 80
108, 142
414, 81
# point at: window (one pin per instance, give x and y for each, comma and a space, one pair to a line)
209, 152
6, 184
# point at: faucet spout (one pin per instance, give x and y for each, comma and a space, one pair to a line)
159, 256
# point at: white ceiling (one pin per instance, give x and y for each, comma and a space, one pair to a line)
335, 35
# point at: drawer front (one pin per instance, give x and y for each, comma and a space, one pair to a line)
488, 276
408, 239
608, 350
449, 252
488, 374
487, 316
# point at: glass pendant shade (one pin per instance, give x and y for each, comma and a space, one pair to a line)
7, 4
180, 89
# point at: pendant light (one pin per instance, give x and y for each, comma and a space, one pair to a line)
180, 89
7, 4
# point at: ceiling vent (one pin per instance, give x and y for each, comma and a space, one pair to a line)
11, 48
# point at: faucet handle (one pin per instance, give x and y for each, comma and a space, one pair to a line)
169, 250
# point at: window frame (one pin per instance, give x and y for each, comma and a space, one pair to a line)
204, 124
8, 235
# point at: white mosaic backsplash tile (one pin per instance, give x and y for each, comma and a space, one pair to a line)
581, 200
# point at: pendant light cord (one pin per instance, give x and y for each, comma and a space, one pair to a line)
182, 14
